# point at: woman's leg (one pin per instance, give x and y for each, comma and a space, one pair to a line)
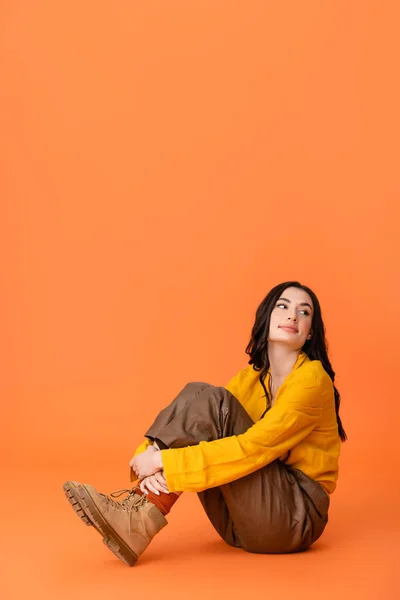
275, 509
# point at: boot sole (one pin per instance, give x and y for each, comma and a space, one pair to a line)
84, 506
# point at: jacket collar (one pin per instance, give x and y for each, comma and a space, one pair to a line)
302, 358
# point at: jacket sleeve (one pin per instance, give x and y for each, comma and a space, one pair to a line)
211, 464
236, 384
139, 450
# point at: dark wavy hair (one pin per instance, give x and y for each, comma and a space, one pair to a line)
316, 347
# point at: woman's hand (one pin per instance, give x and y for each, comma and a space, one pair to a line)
147, 463
154, 483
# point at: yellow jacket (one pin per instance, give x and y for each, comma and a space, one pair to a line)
300, 429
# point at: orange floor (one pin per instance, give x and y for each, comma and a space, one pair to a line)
48, 553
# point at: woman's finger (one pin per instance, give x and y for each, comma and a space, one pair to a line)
158, 486
151, 484
162, 476
162, 483
152, 488
155, 484
143, 484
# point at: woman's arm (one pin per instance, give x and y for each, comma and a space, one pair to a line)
210, 464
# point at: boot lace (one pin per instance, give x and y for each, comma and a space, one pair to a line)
133, 502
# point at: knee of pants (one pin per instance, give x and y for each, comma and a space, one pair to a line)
196, 386
194, 389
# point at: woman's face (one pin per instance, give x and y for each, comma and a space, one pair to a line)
294, 308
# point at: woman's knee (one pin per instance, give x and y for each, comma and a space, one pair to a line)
196, 386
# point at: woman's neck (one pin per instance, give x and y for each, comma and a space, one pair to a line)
281, 360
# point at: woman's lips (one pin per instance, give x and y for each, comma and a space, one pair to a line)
290, 329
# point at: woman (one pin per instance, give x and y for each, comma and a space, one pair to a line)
261, 453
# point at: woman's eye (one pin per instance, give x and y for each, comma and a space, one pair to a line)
303, 310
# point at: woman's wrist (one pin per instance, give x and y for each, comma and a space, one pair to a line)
158, 459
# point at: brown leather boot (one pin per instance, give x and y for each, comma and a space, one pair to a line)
127, 527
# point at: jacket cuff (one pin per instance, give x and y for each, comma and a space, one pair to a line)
170, 467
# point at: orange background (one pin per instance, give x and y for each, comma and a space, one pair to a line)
163, 165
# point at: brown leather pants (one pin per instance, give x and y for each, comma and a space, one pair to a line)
276, 509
